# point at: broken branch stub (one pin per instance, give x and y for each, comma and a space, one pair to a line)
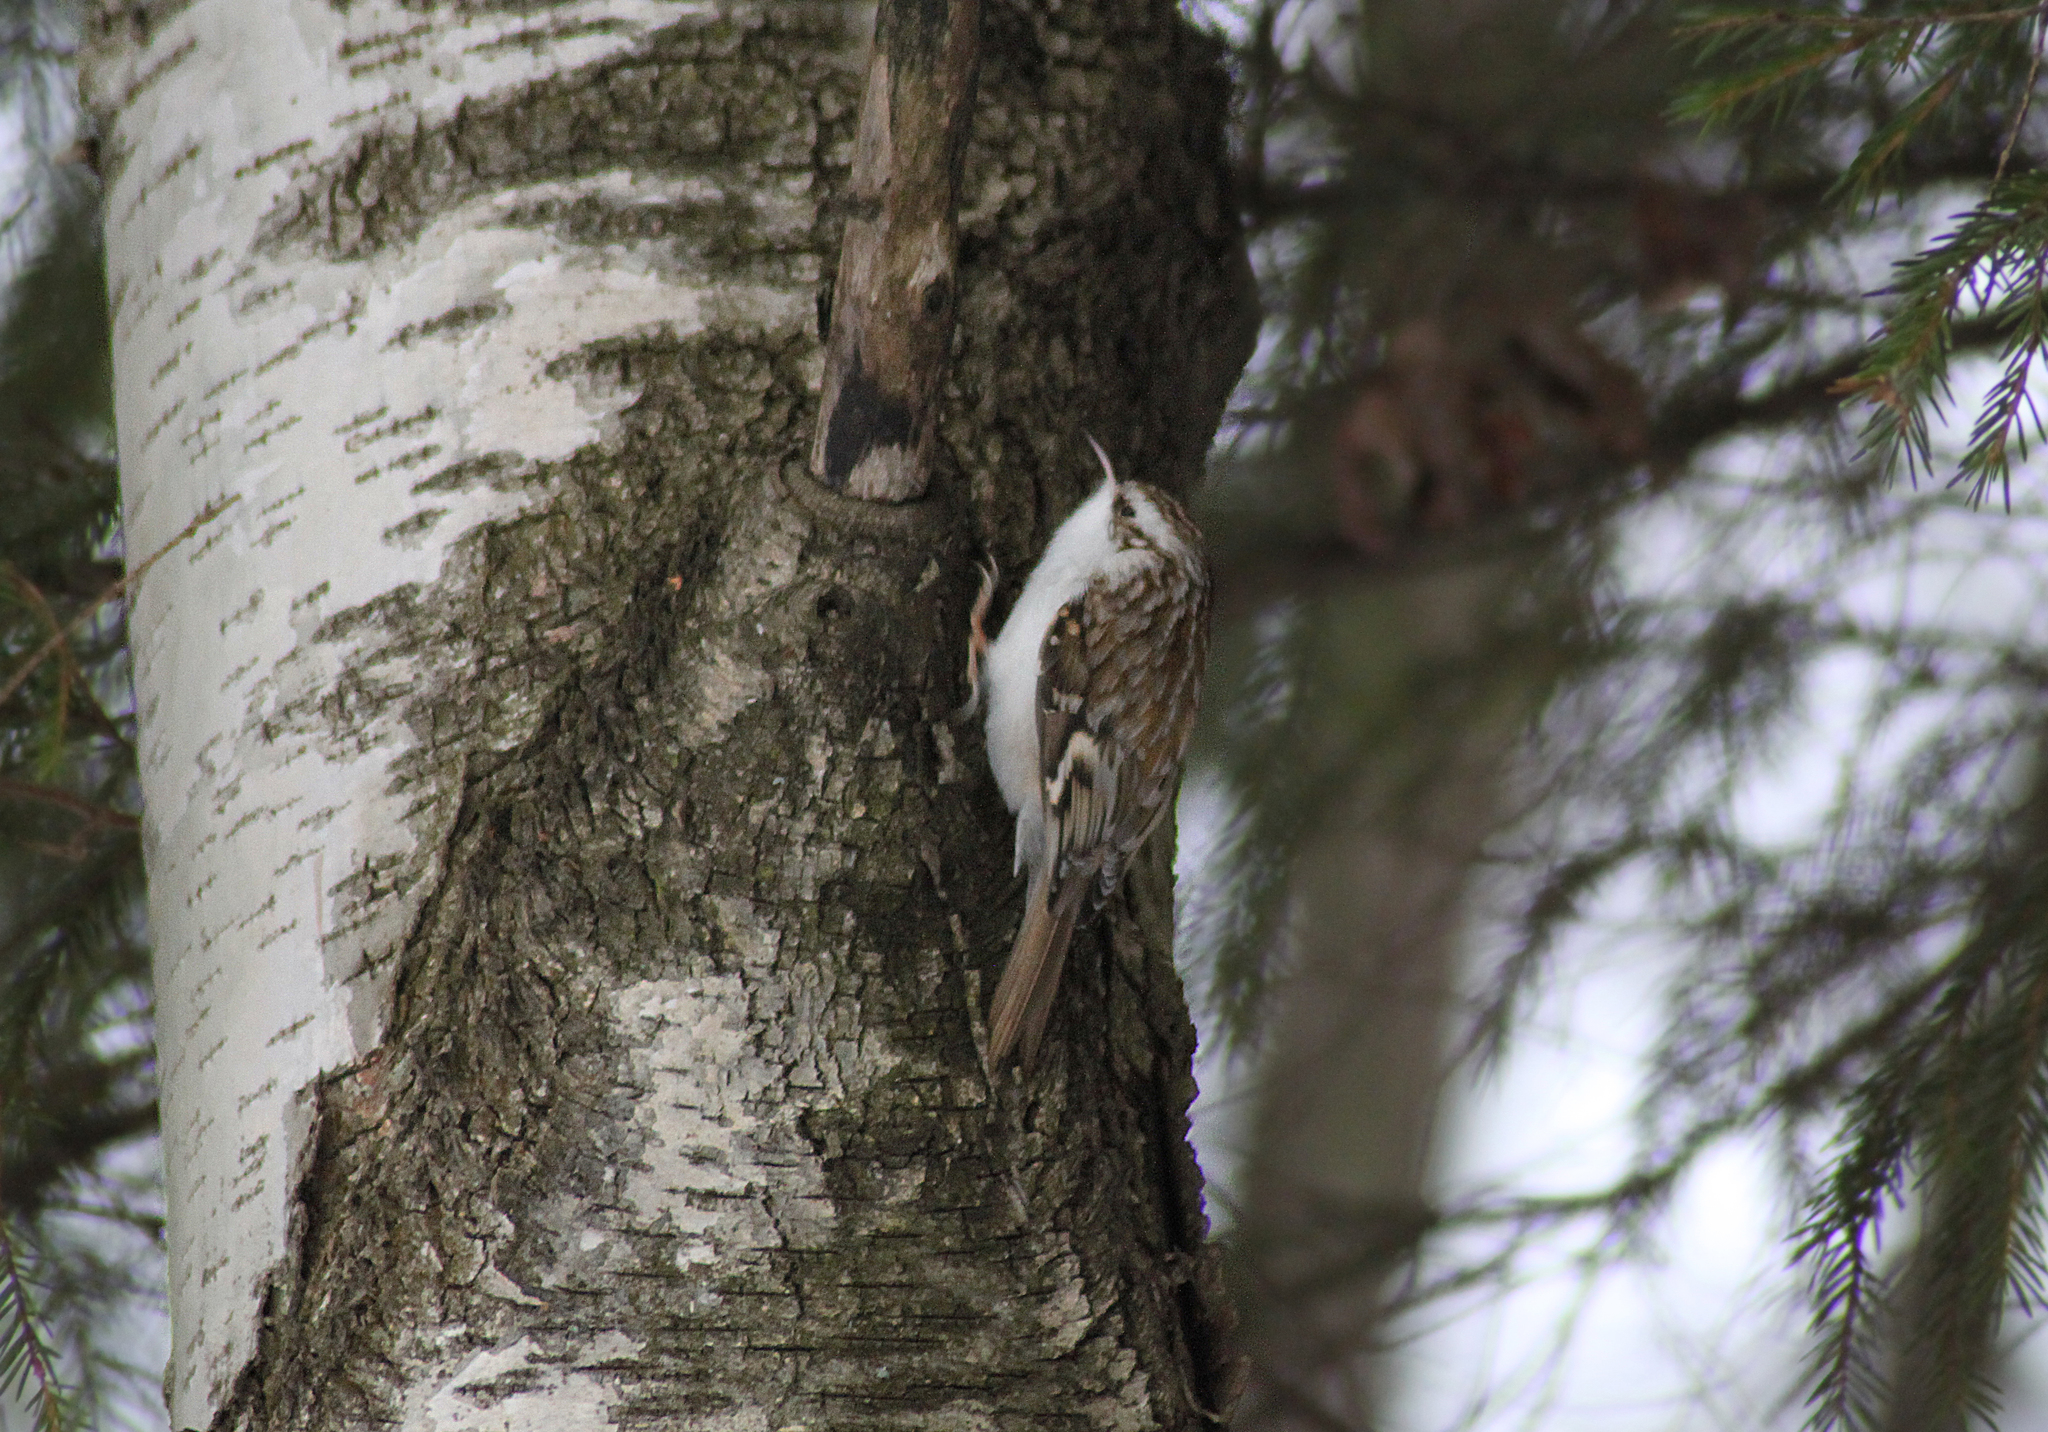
892, 303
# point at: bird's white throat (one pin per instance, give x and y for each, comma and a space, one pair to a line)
1082, 549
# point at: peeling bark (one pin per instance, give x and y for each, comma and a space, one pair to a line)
892, 303
570, 898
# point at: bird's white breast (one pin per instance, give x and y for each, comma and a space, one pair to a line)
1082, 549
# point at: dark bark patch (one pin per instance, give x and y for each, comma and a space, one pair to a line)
450, 325
686, 102
866, 418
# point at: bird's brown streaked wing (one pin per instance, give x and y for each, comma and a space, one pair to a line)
1077, 759
1148, 637
1117, 685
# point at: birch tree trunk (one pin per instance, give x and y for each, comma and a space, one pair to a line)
568, 893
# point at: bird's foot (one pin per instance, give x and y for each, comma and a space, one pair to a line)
977, 638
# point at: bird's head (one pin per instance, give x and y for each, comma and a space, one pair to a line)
1140, 515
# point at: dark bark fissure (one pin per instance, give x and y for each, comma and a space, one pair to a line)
1032, 1247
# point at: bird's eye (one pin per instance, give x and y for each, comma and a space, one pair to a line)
1125, 510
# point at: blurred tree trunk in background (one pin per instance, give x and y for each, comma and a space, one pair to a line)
1419, 647
1336, 1192
1513, 303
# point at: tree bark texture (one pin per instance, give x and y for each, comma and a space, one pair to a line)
569, 895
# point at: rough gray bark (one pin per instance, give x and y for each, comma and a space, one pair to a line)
713, 852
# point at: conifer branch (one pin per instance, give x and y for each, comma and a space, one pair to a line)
92, 812
113, 590
28, 1364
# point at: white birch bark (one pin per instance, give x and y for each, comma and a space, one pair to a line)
565, 886
328, 398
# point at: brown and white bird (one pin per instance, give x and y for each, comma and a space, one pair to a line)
1092, 689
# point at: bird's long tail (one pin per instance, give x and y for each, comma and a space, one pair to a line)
1023, 999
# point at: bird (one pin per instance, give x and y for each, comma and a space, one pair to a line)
1092, 688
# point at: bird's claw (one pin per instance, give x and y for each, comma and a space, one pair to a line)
977, 638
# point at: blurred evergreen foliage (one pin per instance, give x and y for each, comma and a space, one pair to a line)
1921, 73
1569, 296
80, 1211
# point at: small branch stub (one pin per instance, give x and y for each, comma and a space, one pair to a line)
892, 304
